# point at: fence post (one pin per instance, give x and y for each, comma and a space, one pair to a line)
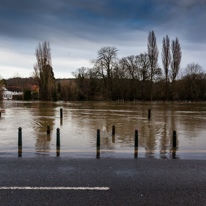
98, 144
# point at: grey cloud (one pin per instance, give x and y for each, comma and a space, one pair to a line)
91, 18
70, 22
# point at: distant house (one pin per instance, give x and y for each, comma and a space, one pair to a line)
12, 92
32, 87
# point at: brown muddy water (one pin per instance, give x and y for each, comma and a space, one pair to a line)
81, 120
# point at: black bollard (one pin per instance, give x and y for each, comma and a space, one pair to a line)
98, 144
136, 144
58, 138
20, 137
174, 139
20, 153
48, 129
174, 156
113, 130
19, 141
136, 138
58, 143
149, 113
61, 115
58, 151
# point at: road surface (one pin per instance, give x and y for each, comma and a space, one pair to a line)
104, 181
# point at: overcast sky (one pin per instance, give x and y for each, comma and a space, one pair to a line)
77, 29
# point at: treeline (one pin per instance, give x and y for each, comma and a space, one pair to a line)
18, 81
139, 77
135, 77
190, 86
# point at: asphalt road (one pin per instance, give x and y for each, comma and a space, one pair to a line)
130, 181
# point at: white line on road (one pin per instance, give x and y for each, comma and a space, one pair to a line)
54, 188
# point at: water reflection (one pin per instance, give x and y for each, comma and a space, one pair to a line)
165, 135
82, 119
113, 138
154, 134
48, 137
44, 119
148, 139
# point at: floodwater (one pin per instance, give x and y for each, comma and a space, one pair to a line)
78, 129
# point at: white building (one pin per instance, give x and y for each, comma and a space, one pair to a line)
10, 92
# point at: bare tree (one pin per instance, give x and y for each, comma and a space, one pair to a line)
166, 60
81, 73
105, 61
83, 80
193, 76
122, 69
144, 65
130, 66
131, 69
104, 66
175, 63
153, 57
43, 71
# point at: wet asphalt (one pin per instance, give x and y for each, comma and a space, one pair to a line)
131, 181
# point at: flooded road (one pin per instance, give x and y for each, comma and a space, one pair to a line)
78, 128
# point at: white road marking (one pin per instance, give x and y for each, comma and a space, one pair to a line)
54, 188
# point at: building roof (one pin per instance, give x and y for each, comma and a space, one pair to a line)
3, 88
32, 87
14, 88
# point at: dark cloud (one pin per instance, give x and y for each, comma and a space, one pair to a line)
87, 19
89, 24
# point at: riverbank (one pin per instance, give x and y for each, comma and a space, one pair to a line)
129, 181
